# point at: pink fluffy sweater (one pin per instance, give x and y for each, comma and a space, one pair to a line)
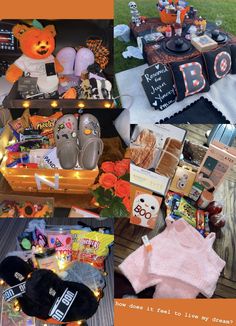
181, 264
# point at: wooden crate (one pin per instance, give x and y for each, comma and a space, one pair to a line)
69, 181
24, 180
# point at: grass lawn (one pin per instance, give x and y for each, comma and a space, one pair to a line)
206, 8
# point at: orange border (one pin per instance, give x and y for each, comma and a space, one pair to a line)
222, 309
54, 9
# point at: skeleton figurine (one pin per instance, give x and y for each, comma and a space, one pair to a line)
134, 13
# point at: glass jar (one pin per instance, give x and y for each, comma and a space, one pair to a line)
61, 240
47, 259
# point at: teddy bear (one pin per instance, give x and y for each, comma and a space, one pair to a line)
37, 45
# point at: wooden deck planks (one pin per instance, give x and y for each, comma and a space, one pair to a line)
11, 228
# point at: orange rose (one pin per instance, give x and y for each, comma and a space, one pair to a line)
122, 188
108, 167
126, 202
126, 162
120, 169
107, 180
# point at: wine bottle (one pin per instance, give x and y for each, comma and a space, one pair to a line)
178, 26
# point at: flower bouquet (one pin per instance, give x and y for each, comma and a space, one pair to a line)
112, 192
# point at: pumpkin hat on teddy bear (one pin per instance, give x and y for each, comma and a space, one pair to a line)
37, 44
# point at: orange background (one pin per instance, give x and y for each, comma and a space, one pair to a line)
219, 308
56, 9
224, 309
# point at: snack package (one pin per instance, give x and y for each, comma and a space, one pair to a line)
187, 212
172, 201
45, 124
30, 134
19, 125
206, 225
200, 221
91, 247
28, 145
14, 158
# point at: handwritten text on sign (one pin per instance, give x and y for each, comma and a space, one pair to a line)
158, 85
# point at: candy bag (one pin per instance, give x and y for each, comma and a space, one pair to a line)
91, 247
45, 125
187, 212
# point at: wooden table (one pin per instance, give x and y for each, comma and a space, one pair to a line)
128, 236
153, 55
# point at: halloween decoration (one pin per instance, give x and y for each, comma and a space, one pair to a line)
37, 45
135, 15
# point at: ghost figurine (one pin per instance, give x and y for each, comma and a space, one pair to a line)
135, 15
145, 210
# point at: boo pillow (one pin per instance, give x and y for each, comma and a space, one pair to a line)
218, 63
233, 57
190, 77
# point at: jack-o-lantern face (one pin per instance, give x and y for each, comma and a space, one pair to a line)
35, 43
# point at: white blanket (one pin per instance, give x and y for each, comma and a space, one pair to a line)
5, 88
222, 95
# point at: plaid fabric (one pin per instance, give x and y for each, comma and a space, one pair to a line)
101, 53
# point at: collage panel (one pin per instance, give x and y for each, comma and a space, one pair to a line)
71, 177
63, 149
179, 242
175, 60
59, 133
65, 260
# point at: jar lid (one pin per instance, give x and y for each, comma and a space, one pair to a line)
46, 253
58, 230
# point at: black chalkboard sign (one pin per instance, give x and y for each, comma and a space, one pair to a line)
158, 85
